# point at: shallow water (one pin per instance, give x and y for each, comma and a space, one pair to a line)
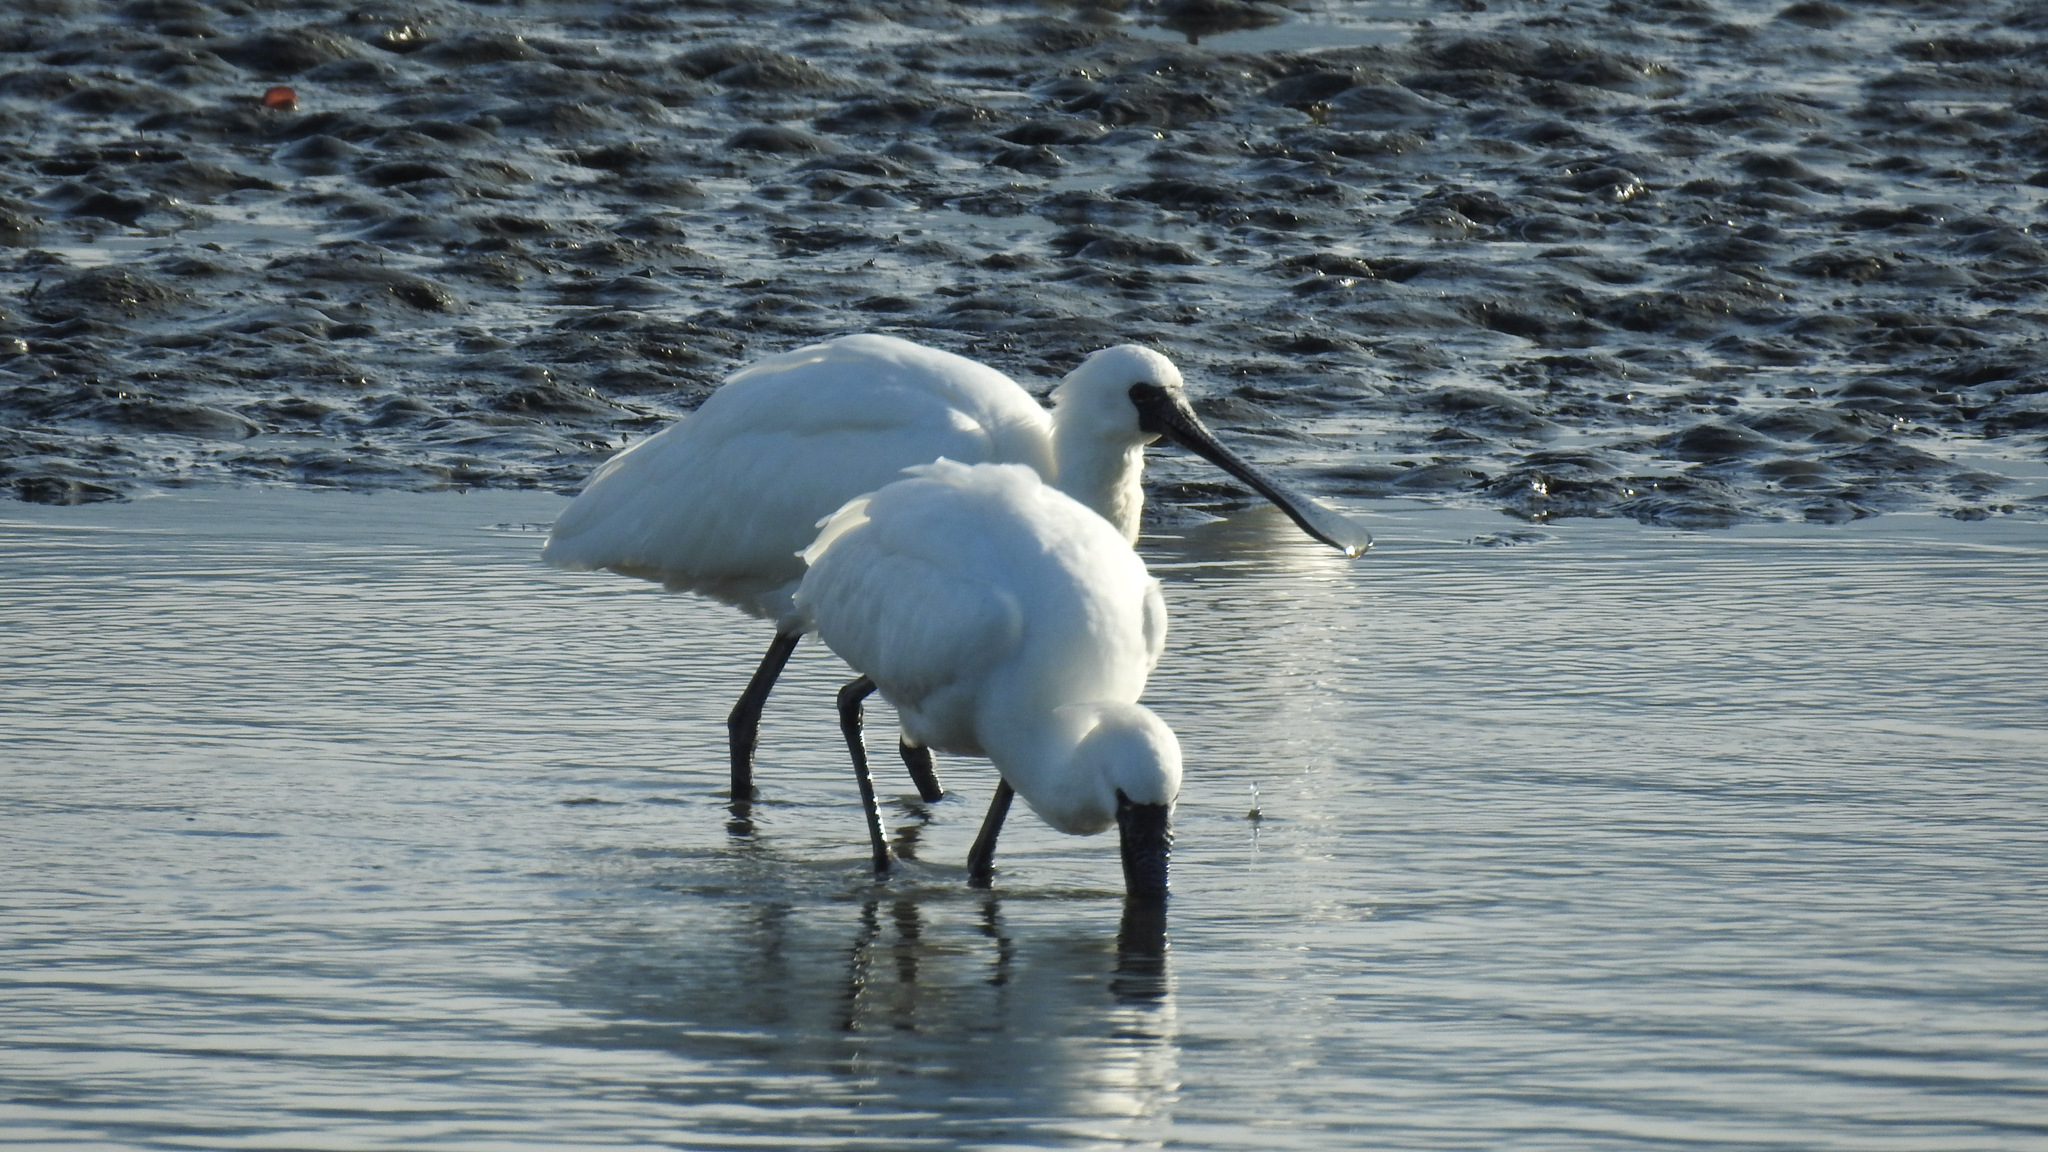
337, 821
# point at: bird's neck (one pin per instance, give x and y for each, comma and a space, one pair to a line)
1034, 750
1102, 474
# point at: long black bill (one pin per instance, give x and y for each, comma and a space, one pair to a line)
1165, 412
1147, 842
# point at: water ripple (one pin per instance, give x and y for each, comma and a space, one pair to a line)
340, 823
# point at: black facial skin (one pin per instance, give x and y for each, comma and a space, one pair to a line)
1164, 412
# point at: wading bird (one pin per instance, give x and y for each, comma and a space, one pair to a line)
1005, 619
722, 502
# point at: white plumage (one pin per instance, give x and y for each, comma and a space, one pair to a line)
1003, 618
721, 502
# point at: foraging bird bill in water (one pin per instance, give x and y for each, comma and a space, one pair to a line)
1003, 618
721, 502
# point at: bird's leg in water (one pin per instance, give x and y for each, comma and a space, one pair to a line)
850, 698
981, 859
744, 725
923, 770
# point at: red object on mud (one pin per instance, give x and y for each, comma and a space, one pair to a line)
281, 99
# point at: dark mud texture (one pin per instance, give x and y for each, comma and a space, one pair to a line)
1690, 261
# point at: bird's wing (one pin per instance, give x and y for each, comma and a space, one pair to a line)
721, 502
909, 599
1155, 625
877, 383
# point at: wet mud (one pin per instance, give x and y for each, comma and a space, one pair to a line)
1694, 262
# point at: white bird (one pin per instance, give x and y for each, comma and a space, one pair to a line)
722, 502
1004, 619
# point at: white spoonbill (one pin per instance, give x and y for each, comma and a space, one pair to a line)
1004, 619
721, 502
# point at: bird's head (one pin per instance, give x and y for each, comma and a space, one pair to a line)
1136, 394
1102, 394
1133, 760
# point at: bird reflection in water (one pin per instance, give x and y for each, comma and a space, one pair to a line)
1141, 953
1010, 1019
883, 966
903, 841
909, 1011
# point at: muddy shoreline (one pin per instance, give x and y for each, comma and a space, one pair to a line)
1692, 263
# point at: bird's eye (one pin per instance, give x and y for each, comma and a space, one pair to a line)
1145, 390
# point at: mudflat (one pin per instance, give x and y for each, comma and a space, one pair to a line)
1694, 262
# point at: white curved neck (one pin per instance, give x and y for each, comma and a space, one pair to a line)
1035, 751
1102, 473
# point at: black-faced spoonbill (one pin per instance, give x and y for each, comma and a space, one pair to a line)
721, 502
1003, 618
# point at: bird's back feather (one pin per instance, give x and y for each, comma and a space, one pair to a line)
721, 502
963, 585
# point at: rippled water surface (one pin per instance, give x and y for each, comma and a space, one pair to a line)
336, 821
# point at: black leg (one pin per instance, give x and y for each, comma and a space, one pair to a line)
981, 859
923, 770
850, 698
744, 725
